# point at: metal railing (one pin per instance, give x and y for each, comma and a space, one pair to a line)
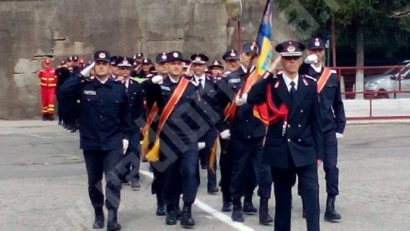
394, 73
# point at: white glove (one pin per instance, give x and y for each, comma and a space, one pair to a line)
226, 134
311, 59
86, 71
241, 100
339, 135
125, 144
157, 79
201, 145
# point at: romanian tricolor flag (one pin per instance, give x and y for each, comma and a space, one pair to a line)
267, 111
263, 40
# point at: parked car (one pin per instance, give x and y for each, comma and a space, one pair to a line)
380, 86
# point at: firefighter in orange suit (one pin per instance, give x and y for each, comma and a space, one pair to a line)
48, 82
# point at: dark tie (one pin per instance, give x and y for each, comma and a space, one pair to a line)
201, 83
292, 91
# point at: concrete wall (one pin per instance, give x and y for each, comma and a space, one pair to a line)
32, 29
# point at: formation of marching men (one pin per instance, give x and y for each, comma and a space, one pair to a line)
182, 115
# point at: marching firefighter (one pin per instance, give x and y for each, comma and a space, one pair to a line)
289, 104
131, 159
246, 143
105, 124
333, 118
175, 149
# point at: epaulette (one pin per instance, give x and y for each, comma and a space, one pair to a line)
269, 74
333, 71
309, 77
227, 73
277, 84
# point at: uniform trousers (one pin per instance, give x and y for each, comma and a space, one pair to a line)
99, 162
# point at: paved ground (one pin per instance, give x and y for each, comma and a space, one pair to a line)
43, 184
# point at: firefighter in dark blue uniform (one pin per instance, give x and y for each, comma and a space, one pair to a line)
225, 159
211, 108
333, 121
131, 160
62, 74
294, 142
246, 143
178, 140
216, 69
105, 122
159, 176
113, 66
72, 107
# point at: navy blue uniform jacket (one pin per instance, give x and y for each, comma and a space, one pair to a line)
105, 117
302, 142
330, 99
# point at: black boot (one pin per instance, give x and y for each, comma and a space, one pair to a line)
330, 214
171, 218
179, 213
186, 217
264, 216
99, 218
248, 207
112, 224
160, 206
45, 117
237, 214
50, 117
226, 203
226, 206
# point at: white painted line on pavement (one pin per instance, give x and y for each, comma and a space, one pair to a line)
213, 212
221, 216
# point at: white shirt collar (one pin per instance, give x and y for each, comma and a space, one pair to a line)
317, 69
288, 80
244, 69
102, 81
172, 80
127, 82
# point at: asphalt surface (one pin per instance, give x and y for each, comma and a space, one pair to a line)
43, 184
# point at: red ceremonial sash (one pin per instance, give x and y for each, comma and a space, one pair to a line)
153, 153
230, 109
267, 111
323, 79
145, 131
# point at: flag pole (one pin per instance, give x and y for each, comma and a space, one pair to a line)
255, 51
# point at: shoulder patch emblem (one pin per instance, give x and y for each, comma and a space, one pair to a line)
166, 88
90, 92
236, 80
